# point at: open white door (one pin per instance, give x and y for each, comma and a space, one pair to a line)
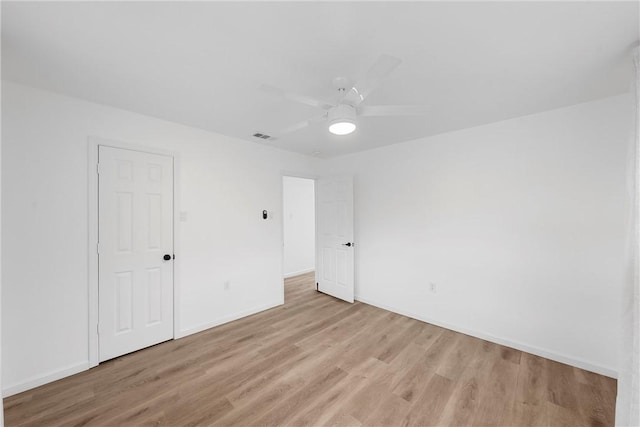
135, 256
334, 236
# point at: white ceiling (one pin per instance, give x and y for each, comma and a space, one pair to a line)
201, 64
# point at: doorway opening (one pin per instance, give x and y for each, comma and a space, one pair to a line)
299, 230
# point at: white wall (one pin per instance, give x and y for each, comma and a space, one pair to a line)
519, 224
299, 225
224, 185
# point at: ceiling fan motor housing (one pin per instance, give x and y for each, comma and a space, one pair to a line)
342, 113
342, 119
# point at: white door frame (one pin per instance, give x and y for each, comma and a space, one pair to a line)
93, 146
292, 175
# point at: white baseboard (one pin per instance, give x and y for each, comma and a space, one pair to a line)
548, 354
297, 273
39, 380
573, 361
226, 319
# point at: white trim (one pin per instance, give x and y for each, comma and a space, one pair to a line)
548, 354
92, 279
94, 143
39, 380
299, 175
176, 244
226, 319
297, 273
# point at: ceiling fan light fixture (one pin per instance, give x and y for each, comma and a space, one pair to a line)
342, 127
342, 119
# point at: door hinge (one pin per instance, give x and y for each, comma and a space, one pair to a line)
98, 248
98, 328
98, 168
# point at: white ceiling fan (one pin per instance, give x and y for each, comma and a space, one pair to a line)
342, 116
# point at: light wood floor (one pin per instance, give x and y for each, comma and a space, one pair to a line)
318, 361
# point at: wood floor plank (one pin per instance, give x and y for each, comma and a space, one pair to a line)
283, 412
400, 342
431, 403
496, 394
248, 412
563, 386
460, 355
325, 405
464, 401
405, 362
415, 380
563, 417
363, 403
528, 407
318, 361
390, 409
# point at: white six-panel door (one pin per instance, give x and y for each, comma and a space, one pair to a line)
334, 237
135, 232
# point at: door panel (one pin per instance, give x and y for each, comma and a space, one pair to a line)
334, 216
154, 296
124, 226
135, 231
124, 301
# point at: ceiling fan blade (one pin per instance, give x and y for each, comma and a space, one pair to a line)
301, 125
379, 71
303, 99
394, 110
294, 128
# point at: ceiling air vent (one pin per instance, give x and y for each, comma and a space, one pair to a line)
262, 135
